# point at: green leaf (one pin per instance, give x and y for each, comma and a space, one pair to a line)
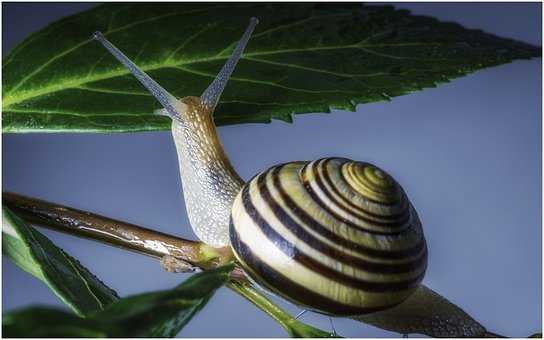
43, 322
163, 314
36, 254
303, 57
299, 329
157, 314
427, 312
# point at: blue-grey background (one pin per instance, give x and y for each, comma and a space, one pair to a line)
468, 153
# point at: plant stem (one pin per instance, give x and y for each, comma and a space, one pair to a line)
116, 233
294, 328
260, 301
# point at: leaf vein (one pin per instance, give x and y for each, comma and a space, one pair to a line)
76, 114
70, 50
102, 90
189, 39
295, 66
260, 82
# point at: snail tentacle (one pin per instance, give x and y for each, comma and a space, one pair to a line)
210, 97
167, 100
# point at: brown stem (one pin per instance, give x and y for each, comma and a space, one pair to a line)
116, 233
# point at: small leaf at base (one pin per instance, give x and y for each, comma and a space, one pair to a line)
37, 255
156, 314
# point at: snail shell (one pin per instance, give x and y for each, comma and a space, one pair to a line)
336, 236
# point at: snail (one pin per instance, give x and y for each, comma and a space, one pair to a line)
333, 235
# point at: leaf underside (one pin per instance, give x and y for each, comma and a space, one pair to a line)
74, 284
302, 58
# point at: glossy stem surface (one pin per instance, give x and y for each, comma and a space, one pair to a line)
113, 232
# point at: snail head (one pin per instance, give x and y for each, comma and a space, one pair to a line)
179, 109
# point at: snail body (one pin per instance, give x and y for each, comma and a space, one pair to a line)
210, 183
333, 235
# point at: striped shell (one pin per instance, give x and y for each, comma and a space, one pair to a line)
335, 236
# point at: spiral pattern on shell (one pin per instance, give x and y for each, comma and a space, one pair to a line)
336, 236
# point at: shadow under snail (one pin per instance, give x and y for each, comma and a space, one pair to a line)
333, 235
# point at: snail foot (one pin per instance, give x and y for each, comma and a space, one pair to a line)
175, 265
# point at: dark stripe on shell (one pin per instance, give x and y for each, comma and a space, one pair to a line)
299, 257
398, 220
325, 161
292, 291
322, 230
315, 243
329, 181
334, 214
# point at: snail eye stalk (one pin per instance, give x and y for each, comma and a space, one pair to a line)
210, 97
166, 99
